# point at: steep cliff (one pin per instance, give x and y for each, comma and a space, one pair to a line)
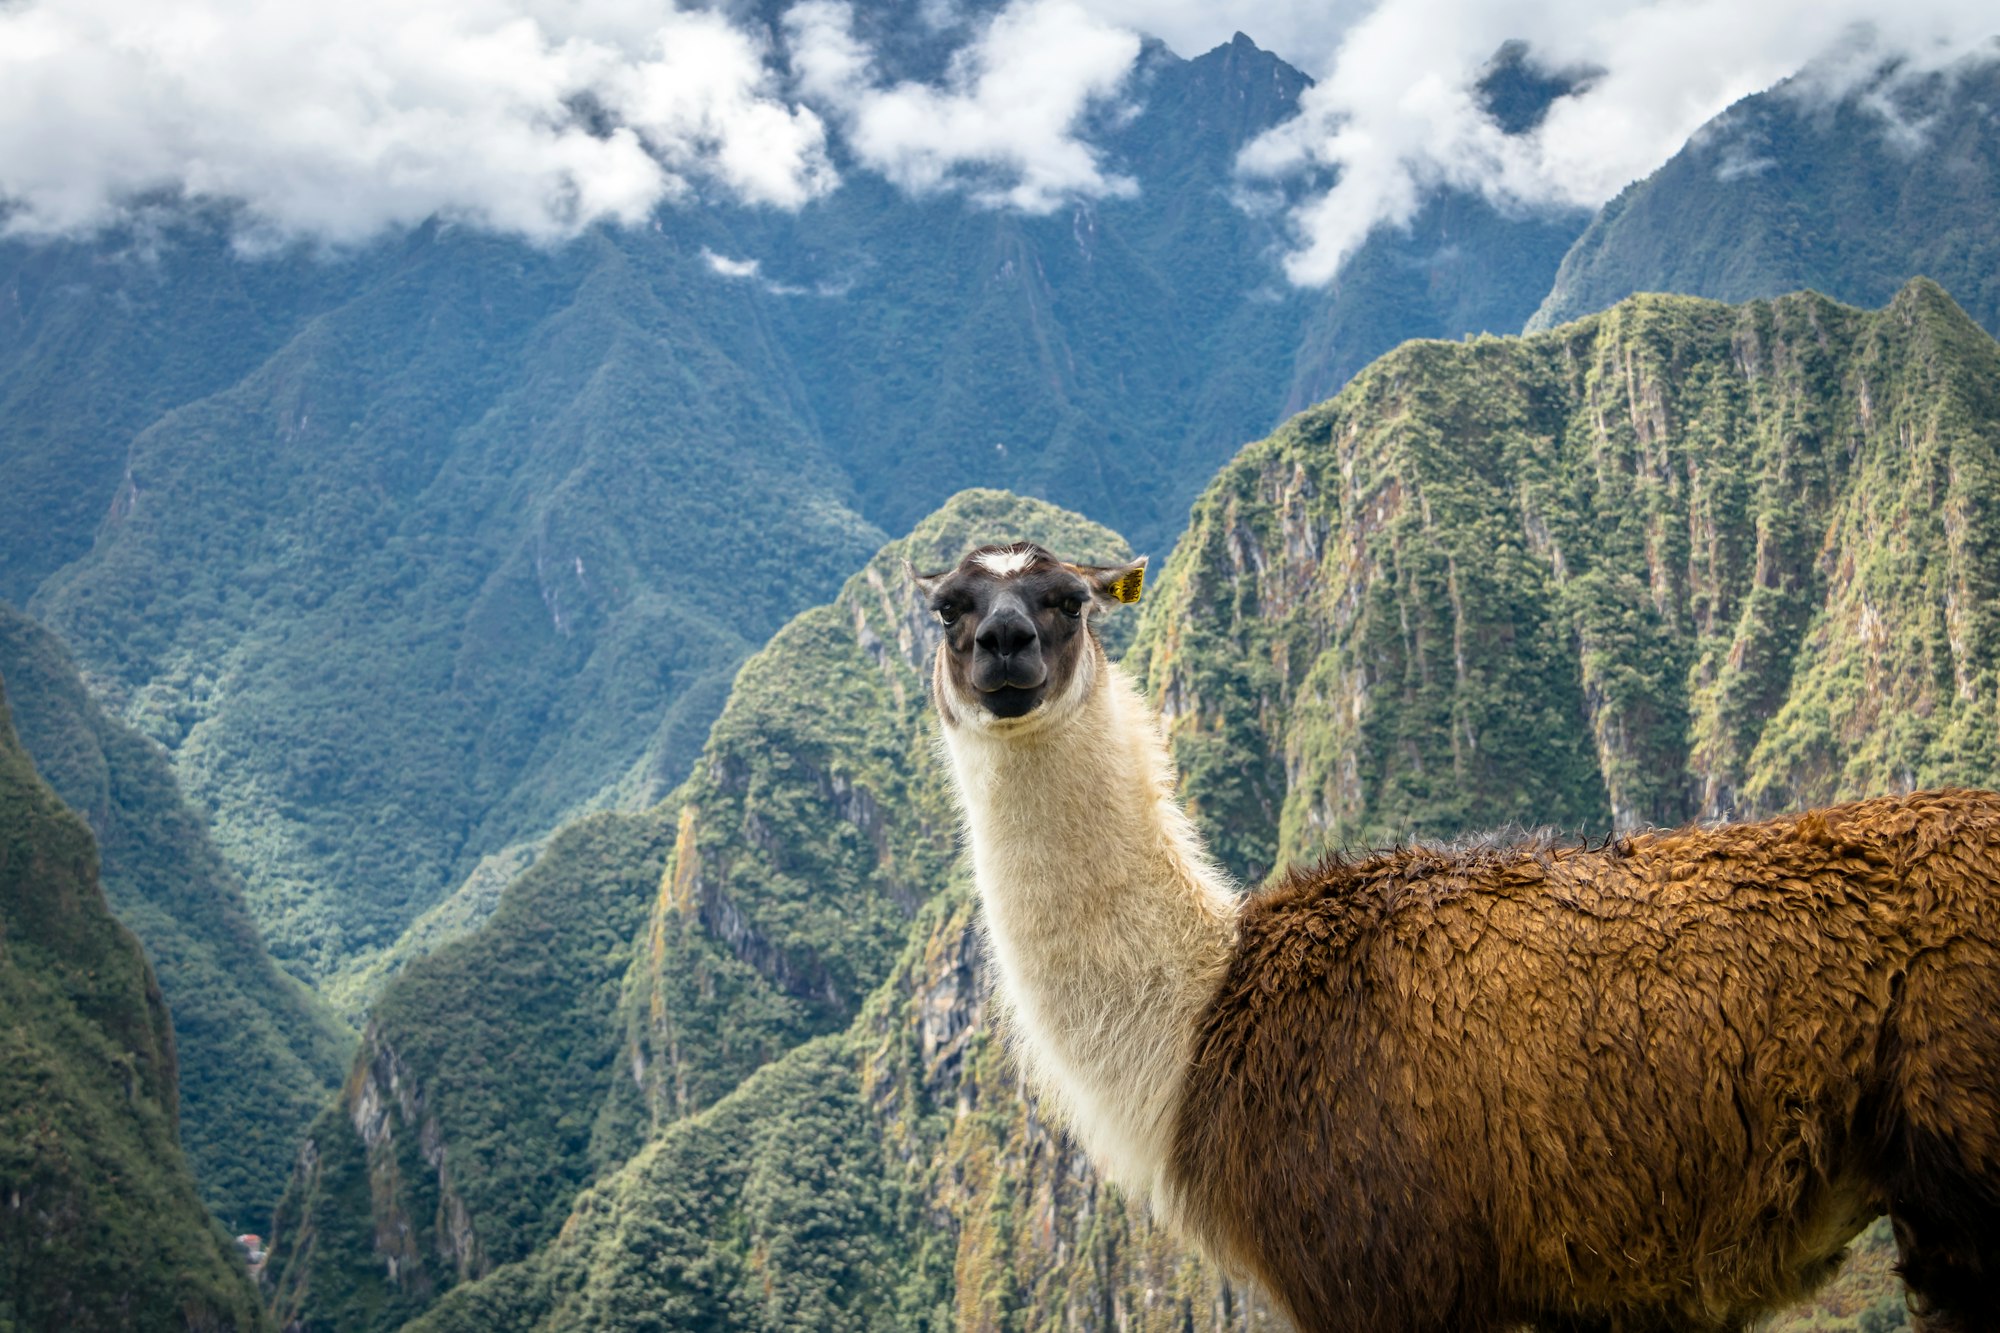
100, 1223
1678, 560
258, 1052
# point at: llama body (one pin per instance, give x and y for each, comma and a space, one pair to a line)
1658, 1085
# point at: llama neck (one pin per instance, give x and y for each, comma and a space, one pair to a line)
1109, 927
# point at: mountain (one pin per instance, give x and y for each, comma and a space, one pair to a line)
258, 1053
1679, 560
101, 1227
648, 963
410, 554
1675, 560
1458, 265
1846, 187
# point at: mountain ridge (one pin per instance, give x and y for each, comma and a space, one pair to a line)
1792, 188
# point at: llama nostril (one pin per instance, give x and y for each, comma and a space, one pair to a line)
1003, 636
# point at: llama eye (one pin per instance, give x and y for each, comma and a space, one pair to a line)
947, 614
1072, 607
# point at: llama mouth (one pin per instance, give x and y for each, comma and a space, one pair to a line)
1010, 701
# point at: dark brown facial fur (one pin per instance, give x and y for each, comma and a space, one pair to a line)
1017, 623
1651, 1086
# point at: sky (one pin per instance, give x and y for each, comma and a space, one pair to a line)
334, 123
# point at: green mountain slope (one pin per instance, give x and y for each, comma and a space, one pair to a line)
99, 341
1677, 559
258, 1054
1792, 189
101, 1226
890, 1177
464, 538
647, 963
436, 574
467, 1121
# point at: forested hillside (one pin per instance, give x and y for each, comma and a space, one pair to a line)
100, 1224
258, 1052
408, 554
648, 963
1675, 560
1847, 190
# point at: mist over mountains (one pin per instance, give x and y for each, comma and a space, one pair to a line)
480, 658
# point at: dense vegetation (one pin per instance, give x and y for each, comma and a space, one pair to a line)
410, 554
258, 1052
100, 1225
1792, 188
1676, 560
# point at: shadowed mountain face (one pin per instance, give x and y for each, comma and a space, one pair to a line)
100, 1224
408, 555
1851, 195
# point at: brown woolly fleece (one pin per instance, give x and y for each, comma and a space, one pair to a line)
1654, 1085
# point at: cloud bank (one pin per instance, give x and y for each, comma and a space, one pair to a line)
1004, 123
335, 122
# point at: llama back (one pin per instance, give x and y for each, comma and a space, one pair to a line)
1658, 1077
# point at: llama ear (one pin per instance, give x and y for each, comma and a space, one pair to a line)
926, 583
1115, 583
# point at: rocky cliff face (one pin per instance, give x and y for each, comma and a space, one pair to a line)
1681, 560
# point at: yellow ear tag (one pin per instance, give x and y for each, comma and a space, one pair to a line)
1130, 585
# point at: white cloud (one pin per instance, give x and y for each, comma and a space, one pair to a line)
1395, 116
731, 268
1005, 124
338, 120
752, 270
541, 117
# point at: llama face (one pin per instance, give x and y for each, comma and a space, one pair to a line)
1016, 629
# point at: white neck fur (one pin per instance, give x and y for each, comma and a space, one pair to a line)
1108, 924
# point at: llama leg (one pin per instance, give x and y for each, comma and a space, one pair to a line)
1941, 1169
1952, 1270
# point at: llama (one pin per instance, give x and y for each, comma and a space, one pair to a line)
1654, 1085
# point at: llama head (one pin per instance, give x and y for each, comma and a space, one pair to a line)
1018, 642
